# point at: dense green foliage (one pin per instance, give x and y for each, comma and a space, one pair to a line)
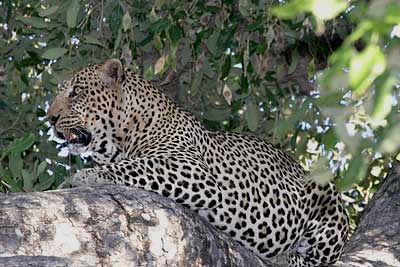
315, 77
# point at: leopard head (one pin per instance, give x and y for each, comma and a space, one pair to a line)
85, 107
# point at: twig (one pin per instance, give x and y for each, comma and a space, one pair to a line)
12, 125
275, 126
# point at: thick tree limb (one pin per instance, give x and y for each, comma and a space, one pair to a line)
120, 226
109, 226
376, 241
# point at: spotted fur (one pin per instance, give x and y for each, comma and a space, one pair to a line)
241, 184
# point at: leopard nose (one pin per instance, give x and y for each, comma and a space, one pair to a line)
53, 119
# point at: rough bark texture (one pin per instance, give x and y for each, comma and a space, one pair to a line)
109, 226
120, 226
376, 241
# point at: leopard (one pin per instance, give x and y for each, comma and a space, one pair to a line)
243, 185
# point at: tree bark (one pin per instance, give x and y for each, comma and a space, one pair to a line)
121, 226
376, 242
109, 226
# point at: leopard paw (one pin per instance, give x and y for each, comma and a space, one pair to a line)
86, 177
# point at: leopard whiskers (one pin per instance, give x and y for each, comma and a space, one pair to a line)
68, 132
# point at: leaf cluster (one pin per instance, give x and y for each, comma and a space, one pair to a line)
317, 78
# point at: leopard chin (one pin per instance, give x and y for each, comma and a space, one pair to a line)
77, 149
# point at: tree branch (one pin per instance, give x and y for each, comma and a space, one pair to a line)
110, 226
376, 241
122, 226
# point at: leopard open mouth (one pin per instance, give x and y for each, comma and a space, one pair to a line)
76, 136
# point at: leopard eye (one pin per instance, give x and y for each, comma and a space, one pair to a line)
75, 91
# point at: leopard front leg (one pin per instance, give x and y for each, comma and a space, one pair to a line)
186, 181
92, 176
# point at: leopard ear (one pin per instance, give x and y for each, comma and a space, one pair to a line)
112, 72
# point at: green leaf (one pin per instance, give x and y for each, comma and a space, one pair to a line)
365, 67
19, 145
327, 9
160, 25
35, 22
158, 44
40, 112
15, 164
392, 14
333, 79
59, 174
339, 116
153, 15
270, 36
195, 85
28, 180
148, 73
126, 22
117, 41
390, 140
244, 84
294, 62
355, 172
251, 116
207, 69
186, 55
48, 11
115, 18
342, 56
211, 43
89, 39
322, 9
175, 34
226, 67
363, 27
329, 139
244, 7
214, 114
225, 38
292, 121
286, 124
54, 53
72, 13
45, 182
330, 100
8, 8
291, 9
34, 171
13, 185
41, 167
383, 97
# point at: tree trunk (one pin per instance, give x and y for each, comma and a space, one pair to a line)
376, 241
121, 226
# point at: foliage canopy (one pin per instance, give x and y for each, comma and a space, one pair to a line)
316, 77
